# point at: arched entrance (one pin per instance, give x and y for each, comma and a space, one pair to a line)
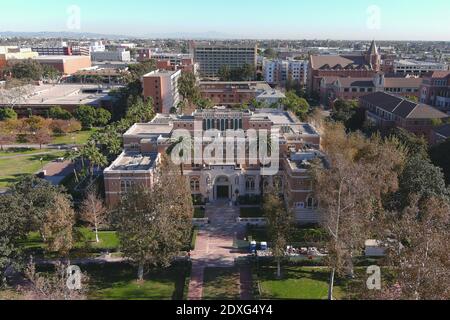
222, 188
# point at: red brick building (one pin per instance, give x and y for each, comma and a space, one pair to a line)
356, 66
435, 90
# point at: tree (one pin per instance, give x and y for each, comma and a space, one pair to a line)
50, 74
187, 87
14, 93
349, 113
155, 225
95, 157
295, 104
36, 197
279, 224
224, 73
350, 187
13, 228
440, 157
7, 133
7, 114
26, 69
87, 115
418, 250
53, 286
93, 212
270, 53
140, 111
420, 178
59, 113
103, 117
41, 137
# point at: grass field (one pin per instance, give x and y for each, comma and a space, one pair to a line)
297, 283
12, 169
77, 138
118, 282
22, 151
108, 240
221, 284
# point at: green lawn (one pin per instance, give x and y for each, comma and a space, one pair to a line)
299, 235
255, 212
12, 169
298, 283
118, 282
108, 240
77, 138
22, 151
221, 284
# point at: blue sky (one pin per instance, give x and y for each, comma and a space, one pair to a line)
289, 19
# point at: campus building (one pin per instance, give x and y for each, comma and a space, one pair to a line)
211, 57
414, 67
362, 65
67, 65
349, 88
278, 72
162, 87
9, 53
223, 179
435, 90
388, 111
229, 93
39, 99
118, 55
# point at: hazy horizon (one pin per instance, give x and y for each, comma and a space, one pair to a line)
383, 20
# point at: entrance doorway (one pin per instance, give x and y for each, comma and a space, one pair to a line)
222, 188
223, 192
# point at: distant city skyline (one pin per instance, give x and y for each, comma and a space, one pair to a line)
250, 19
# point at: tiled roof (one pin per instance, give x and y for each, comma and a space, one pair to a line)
403, 108
336, 62
443, 130
402, 82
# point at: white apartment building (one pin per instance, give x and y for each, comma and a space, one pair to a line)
277, 72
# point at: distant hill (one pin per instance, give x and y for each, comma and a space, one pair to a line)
88, 35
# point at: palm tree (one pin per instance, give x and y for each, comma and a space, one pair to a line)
95, 157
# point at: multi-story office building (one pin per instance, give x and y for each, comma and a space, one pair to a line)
117, 55
220, 179
278, 72
174, 58
211, 57
435, 90
67, 65
414, 67
162, 87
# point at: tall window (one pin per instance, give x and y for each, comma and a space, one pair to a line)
250, 184
195, 185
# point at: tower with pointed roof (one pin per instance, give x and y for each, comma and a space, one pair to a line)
373, 57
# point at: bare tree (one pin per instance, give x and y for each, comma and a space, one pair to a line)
14, 93
418, 251
350, 187
53, 286
93, 212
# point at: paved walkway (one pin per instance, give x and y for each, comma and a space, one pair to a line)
215, 247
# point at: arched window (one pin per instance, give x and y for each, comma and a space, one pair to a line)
195, 185
250, 184
311, 203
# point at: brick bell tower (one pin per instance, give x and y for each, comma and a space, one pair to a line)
373, 57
